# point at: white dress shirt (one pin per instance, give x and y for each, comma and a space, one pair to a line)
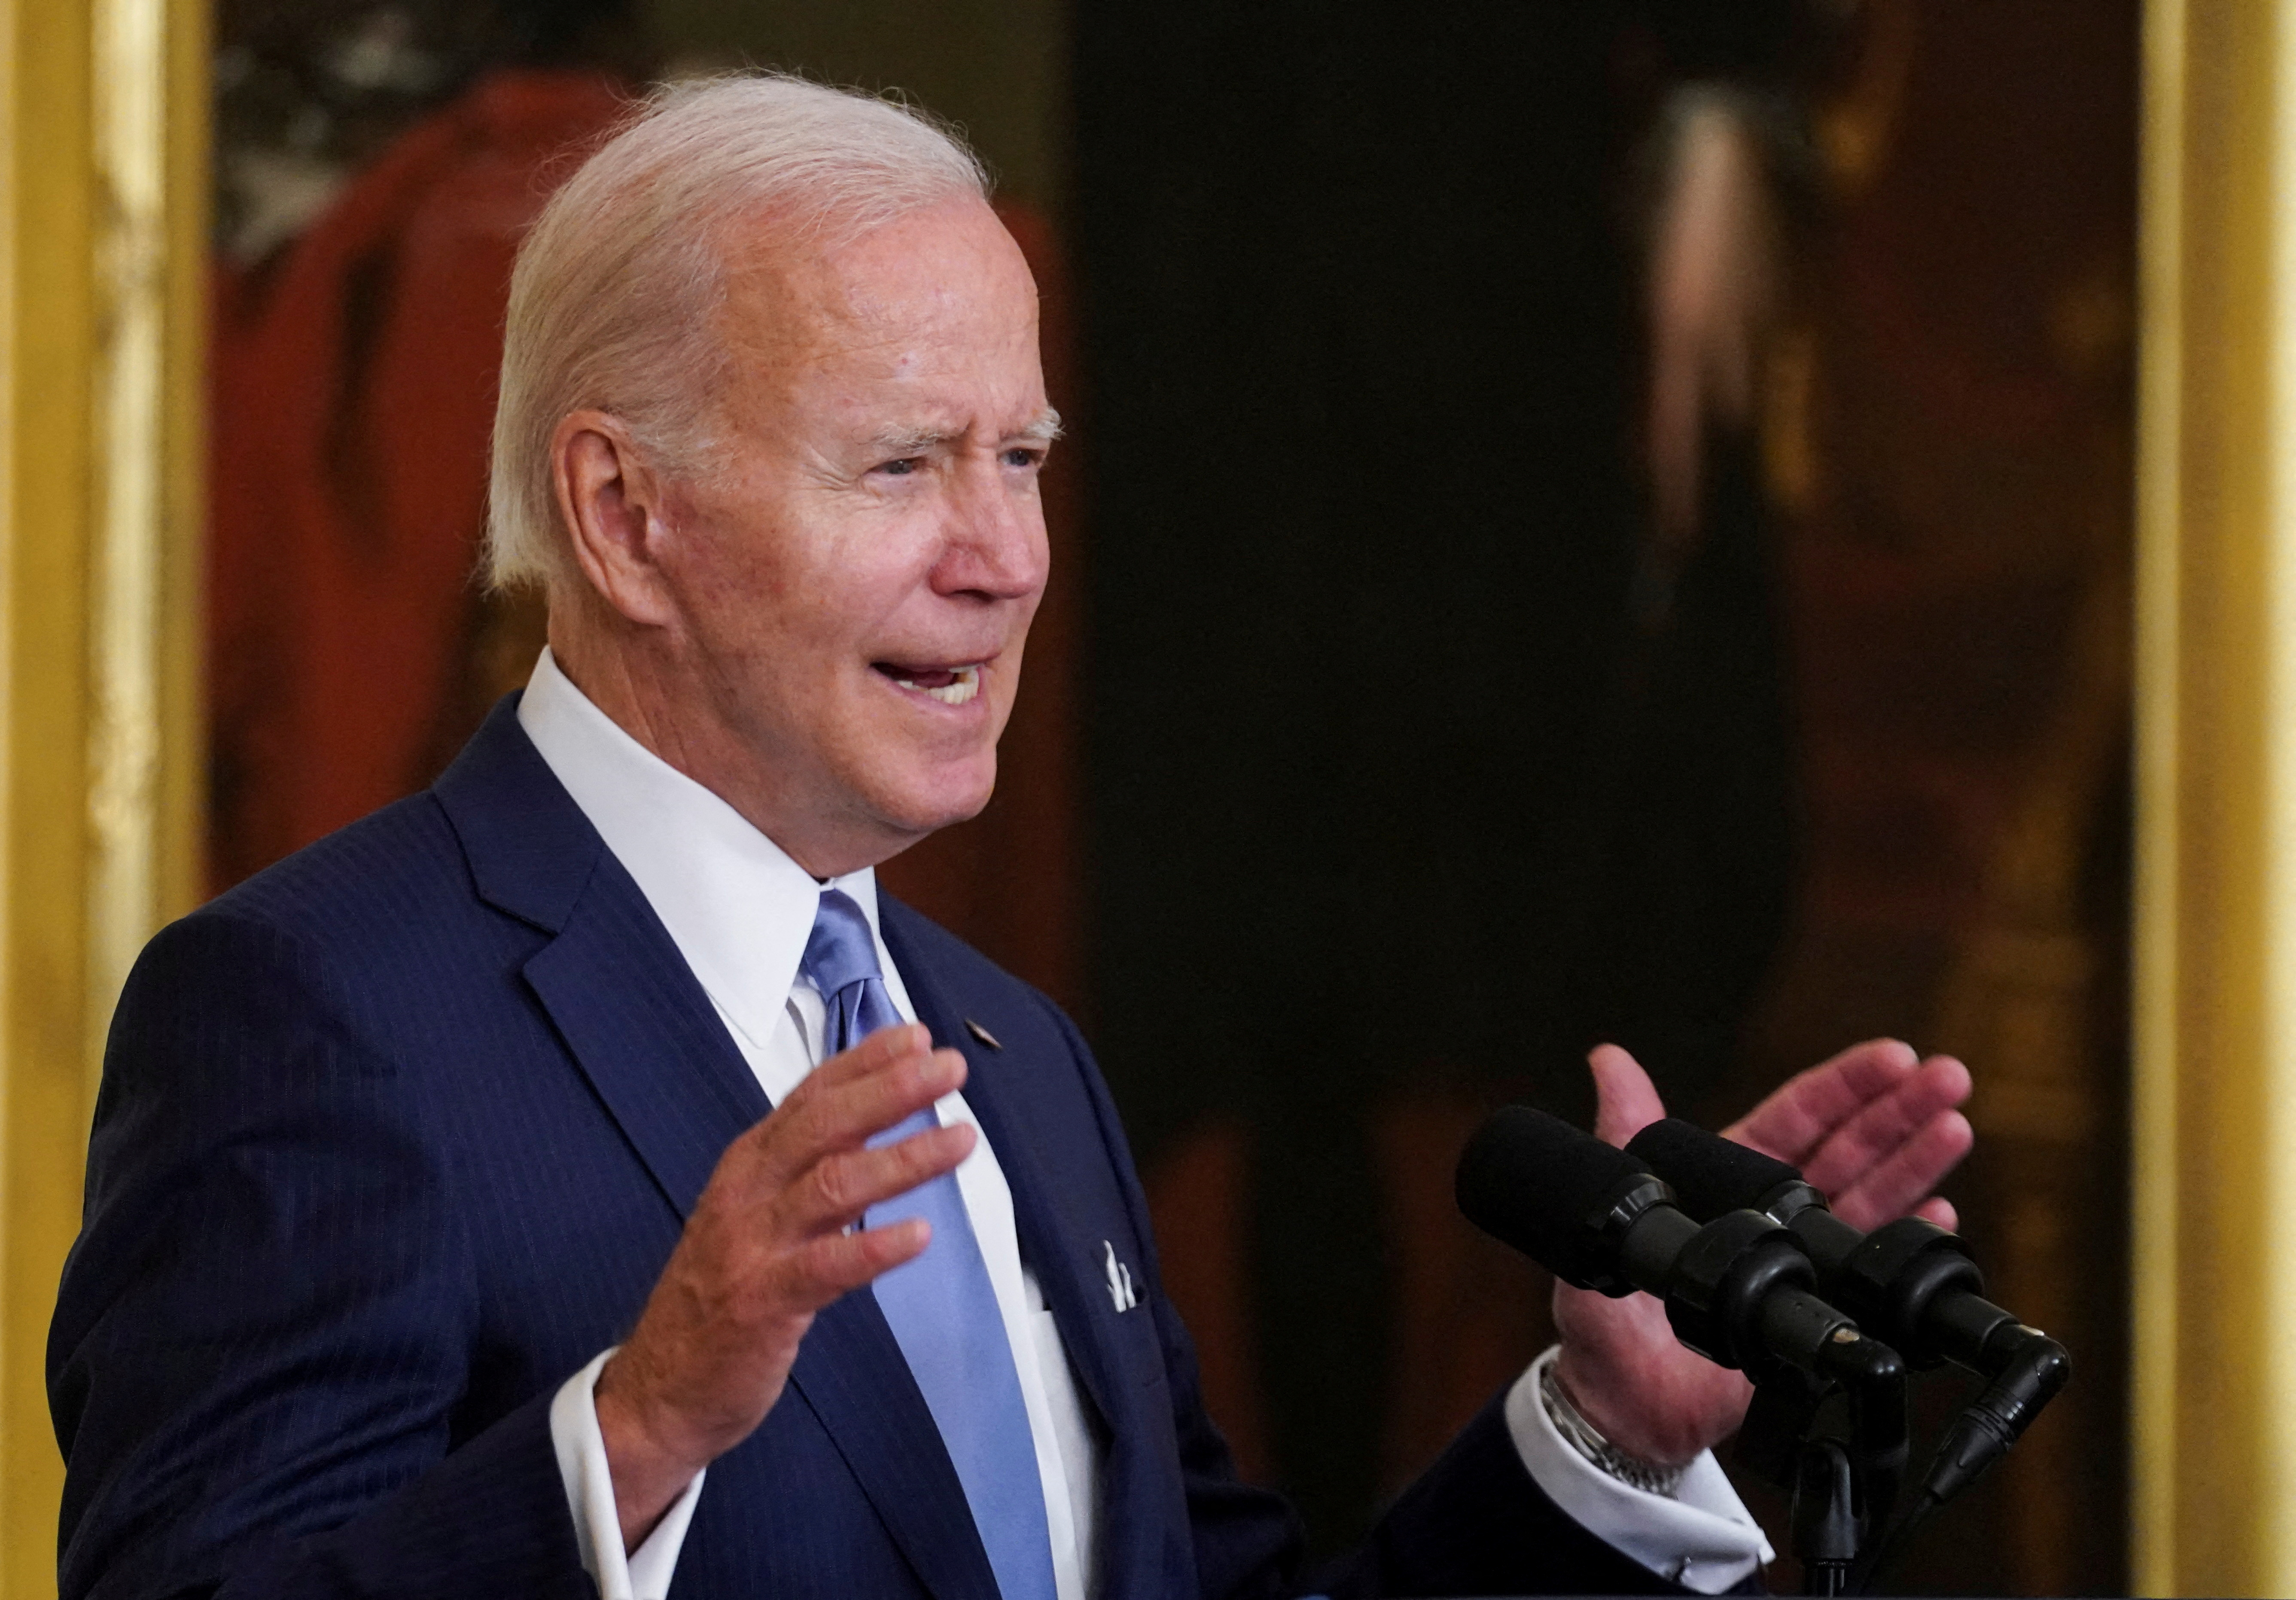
739, 912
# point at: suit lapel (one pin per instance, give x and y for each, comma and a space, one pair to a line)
650, 1044
1143, 1526
852, 1374
623, 999
645, 1035
996, 1082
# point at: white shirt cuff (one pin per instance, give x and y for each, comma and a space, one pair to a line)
1701, 1536
643, 1573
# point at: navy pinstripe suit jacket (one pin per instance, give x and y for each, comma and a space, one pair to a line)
397, 1136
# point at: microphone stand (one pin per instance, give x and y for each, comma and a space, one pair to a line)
1843, 1479
1837, 1440
2032, 1367
1910, 1282
1740, 1287
1825, 1538
1720, 1284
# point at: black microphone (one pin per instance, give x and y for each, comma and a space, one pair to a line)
1737, 1290
1910, 1281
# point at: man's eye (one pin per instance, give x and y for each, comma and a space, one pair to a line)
1023, 456
901, 468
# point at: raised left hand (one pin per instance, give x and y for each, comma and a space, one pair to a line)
1876, 1128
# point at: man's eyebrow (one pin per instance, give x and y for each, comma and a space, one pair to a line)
906, 441
1040, 429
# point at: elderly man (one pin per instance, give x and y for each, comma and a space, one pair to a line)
577, 1179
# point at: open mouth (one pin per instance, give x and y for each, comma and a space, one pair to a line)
950, 685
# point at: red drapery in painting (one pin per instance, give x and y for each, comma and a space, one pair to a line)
349, 647
354, 398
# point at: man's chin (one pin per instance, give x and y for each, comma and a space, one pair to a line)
918, 811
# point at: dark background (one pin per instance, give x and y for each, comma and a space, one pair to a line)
1387, 795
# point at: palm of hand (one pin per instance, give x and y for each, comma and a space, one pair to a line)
1875, 1129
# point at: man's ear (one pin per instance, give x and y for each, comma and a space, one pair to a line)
613, 503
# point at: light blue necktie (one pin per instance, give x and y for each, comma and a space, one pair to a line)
941, 1306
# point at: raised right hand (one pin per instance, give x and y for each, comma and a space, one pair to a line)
765, 1249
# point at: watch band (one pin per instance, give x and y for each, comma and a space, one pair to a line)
1586, 1438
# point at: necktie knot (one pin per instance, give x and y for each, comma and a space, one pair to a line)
842, 951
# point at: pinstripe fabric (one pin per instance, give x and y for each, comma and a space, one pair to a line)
398, 1135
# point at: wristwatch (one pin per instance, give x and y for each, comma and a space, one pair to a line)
1587, 1439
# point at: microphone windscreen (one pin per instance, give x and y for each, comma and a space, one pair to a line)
1709, 1174
1537, 1182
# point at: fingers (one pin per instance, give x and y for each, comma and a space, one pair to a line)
813, 1166
851, 1098
839, 1187
767, 1247
1795, 1119
1885, 1123
873, 1053
1886, 1189
1939, 1209
838, 1263
1876, 1128
1625, 1101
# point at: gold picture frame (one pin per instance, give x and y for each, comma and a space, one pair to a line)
2213, 1408
103, 187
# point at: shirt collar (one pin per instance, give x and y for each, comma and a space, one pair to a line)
738, 908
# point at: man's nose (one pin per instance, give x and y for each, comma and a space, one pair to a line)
997, 546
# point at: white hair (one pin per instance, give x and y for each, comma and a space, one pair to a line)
614, 299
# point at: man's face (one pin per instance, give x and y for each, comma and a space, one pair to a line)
866, 562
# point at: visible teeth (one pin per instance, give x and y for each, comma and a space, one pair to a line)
967, 685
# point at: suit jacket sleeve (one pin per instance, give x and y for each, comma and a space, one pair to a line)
1474, 1523
269, 1319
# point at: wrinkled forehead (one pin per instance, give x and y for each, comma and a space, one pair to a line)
947, 277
